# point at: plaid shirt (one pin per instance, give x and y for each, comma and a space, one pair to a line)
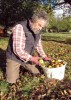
19, 44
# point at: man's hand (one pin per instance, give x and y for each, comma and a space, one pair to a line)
35, 60
47, 59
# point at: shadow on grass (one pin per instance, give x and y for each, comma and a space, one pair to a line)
65, 42
3, 61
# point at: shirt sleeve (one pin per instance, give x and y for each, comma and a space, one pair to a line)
39, 49
19, 43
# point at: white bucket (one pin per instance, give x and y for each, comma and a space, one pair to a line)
57, 73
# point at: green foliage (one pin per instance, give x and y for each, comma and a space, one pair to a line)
30, 85
52, 22
13, 11
4, 87
57, 25
64, 25
3, 43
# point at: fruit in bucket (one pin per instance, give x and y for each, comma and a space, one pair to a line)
52, 64
42, 62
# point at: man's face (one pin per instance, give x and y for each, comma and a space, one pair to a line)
38, 25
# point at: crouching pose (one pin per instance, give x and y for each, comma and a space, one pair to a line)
25, 37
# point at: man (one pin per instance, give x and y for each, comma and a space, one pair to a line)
25, 37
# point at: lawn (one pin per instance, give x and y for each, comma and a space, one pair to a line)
59, 37
30, 87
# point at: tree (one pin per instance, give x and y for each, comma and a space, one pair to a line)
52, 27
65, 25
12, 11
60, 25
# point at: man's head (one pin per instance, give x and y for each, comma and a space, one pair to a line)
38, 21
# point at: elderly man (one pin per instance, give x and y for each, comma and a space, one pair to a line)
25, 37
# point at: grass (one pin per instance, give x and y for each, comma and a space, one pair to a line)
3, 43
30, 87
56, 36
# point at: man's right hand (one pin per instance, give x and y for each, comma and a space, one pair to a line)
35, 60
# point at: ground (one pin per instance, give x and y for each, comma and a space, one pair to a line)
30, 87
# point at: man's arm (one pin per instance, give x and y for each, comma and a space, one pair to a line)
19, 43
39, 49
